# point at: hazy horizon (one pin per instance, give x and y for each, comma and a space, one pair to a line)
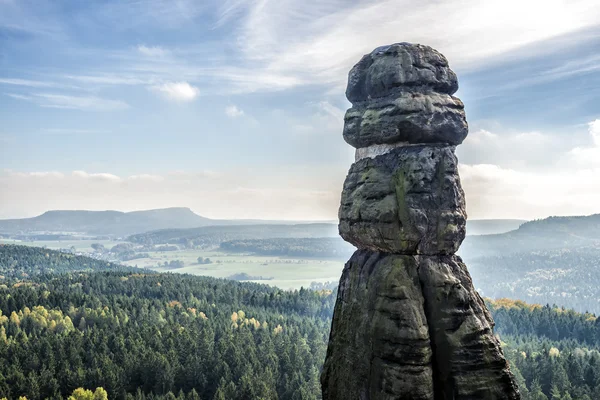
235, 109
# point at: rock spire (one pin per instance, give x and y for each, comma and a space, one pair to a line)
408, 323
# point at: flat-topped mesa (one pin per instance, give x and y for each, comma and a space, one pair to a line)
402, 93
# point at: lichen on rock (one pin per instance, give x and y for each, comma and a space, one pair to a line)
408, 323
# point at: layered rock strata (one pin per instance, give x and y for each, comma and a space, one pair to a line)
408, 323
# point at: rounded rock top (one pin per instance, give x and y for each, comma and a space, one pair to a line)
400, 67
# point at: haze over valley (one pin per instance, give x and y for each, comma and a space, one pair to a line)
550, 261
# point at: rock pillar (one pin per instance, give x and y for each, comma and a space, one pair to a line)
408, 323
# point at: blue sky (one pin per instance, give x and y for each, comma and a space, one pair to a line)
235, 108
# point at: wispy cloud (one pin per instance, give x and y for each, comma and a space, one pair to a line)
278, 45
25, 82
108, 79
233, 111
19, 96
282, 36
332, 110
70, 102
152, 51
90, 103
177, 91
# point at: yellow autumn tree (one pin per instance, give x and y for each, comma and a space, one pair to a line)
86, 394
14, 318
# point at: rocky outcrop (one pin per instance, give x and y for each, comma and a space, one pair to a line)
406, 201
408, 323
403, 94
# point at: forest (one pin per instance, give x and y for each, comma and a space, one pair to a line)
213, 236
72, 324
291, 247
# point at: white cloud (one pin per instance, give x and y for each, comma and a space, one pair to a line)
147, 177
516, 149
233, 111
495, 192
96, 176
177, 91
587, 156
533, 175
152, 51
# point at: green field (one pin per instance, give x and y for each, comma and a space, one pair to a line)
287, 273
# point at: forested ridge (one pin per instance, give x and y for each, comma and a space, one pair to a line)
291, 247
149, 335
569, 277
21, 262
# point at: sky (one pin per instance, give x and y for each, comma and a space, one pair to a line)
235, 108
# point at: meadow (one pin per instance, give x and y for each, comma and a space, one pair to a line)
286, 273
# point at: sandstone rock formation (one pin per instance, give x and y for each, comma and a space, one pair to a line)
408, 323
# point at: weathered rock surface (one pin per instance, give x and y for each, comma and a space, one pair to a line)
411, 118
412, 327
379, 346
468, 360
408, 323
388, 70
407, 201
403, 93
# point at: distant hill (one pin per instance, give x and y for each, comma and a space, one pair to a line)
115, 223
543, 234
492, 226
104, 222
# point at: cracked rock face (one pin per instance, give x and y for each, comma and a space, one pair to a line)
408, 323
412, 118
407, 327
407, 201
